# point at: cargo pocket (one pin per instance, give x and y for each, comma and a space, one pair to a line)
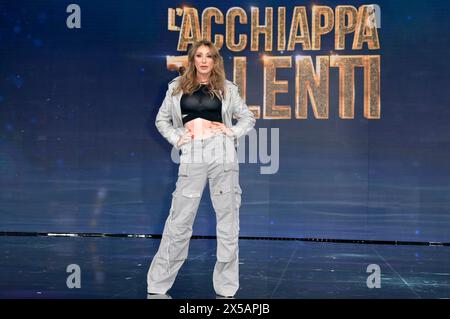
238, 198
190, 193
183, 169
223, 204
227, 223
185, 148
230, 166
186, 201
222, 189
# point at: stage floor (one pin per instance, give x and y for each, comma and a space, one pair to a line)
35, 267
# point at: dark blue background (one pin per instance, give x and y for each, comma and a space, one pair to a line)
79, 150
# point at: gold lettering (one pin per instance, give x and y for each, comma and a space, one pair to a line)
240, 78
318, 29
257, 29
232, 13
190, 29
299, 21
372, 93
347, 66
365, 30
207, 15
312, 84
272, 87
281, 43
341, 29
171, 26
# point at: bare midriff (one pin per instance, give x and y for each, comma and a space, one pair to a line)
200, 128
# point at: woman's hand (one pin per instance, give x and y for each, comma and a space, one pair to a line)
185, 138
218, 128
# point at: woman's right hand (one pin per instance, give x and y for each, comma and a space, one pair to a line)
185, 138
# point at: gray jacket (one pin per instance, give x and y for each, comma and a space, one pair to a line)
170, 125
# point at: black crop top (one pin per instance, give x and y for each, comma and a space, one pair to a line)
200, 104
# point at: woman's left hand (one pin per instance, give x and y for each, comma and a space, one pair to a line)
217, 127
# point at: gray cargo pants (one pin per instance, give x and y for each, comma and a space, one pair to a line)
215, 160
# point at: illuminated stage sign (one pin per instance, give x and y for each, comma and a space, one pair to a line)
311, 83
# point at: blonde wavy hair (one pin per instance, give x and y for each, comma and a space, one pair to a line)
188, 81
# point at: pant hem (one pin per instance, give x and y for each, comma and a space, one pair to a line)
156, 291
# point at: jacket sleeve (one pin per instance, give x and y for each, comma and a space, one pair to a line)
164, 122
245, 117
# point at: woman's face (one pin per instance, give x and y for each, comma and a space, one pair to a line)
203, 61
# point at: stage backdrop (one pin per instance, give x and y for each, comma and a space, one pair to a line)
367, 156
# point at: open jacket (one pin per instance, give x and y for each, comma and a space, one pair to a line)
170, 125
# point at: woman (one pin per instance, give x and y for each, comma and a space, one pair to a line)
195, 117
